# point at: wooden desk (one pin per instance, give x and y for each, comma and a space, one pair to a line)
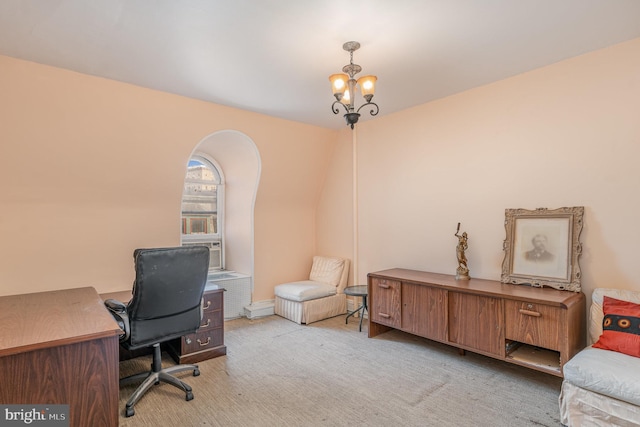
60, 347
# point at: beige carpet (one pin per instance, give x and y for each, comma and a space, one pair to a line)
278, 373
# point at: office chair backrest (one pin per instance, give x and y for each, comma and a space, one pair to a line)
167, 293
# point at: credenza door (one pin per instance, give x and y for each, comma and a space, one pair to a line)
424, 311
477, 322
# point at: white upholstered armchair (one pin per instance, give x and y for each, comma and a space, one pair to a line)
320, 297
601, 387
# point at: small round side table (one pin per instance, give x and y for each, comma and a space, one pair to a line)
357, 291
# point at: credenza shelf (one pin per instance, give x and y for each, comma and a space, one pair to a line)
541, 358
540, 328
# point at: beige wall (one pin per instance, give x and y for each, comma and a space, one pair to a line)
334, 216
564, 135
91, 169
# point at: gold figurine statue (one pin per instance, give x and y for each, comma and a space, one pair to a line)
462, 272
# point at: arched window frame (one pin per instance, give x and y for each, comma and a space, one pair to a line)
215, 241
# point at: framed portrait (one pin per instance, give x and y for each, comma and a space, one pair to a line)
542, 247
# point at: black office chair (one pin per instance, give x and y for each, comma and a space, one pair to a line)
166, 304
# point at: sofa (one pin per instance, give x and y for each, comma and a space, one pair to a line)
602, 387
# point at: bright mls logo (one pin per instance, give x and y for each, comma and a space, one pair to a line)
37, 415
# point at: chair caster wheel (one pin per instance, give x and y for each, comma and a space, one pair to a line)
196, 372
129, 412
189, 396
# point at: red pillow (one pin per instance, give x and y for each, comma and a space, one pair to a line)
620, 327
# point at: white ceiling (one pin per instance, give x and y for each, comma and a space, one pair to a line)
274, 56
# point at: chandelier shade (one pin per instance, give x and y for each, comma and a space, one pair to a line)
367, 86
338, 84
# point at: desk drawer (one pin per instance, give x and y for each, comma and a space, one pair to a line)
210, 320
212, 301
202, 340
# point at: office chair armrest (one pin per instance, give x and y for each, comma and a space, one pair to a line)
119, 312
115, 305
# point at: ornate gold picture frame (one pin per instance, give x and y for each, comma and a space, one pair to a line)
542, 247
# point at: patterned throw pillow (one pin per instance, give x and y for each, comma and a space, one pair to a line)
620, 327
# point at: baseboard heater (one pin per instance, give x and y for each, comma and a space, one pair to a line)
238, 291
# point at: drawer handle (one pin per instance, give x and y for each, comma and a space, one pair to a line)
202, 344
206, 324
207, 306
384, 315
383, 286
530, 313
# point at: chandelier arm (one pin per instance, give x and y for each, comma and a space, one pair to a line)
335, 109
373, 112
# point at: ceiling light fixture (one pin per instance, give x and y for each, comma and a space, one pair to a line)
344, 88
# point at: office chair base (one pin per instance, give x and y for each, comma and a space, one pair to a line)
154, 377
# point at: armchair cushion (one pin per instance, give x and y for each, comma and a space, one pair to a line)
327, 270
304, 290
605, 372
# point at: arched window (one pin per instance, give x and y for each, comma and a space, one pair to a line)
203, 208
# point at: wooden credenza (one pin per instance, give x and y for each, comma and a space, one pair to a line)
540, 328
208, 341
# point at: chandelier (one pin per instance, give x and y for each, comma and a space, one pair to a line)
344, 88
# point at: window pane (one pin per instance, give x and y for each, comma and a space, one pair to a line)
200, 199
200, 171
198, 225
